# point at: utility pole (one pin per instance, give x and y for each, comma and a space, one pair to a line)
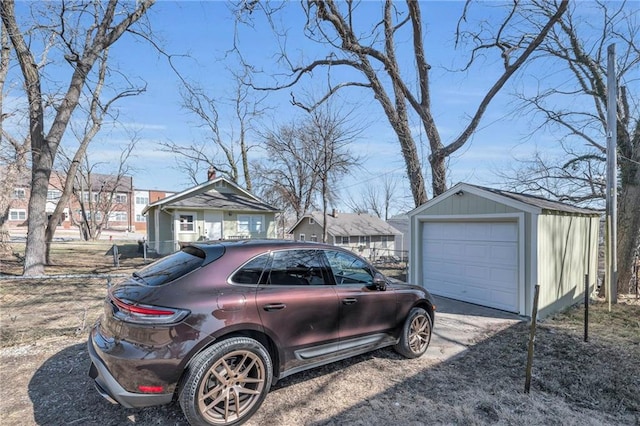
612, 181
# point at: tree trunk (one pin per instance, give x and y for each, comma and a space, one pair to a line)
628, 231
35, 251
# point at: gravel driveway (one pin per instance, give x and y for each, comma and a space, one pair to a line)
459, 325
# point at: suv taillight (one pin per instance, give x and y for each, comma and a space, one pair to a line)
129, 311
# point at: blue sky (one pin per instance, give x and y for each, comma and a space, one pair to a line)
204, 31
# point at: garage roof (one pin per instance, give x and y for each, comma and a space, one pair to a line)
536, 201
530, 203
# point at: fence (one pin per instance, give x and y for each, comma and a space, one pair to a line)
69, 299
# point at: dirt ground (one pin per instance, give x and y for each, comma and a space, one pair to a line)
574, 383
44, 366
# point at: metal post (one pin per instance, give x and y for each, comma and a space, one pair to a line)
532, 339
144, 250
116, 258
612, 167
586, 308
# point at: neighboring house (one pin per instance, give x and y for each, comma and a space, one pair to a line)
217, 209
492, 247
102, 186
367, 235
144, 197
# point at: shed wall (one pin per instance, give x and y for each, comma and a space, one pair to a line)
567, 251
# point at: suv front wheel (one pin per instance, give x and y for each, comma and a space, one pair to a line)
226, 383
416, 334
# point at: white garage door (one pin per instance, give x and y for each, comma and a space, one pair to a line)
475, 262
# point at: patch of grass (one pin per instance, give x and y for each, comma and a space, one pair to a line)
80, 257
37, 309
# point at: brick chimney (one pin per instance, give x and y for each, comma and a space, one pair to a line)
334, 213
211, 173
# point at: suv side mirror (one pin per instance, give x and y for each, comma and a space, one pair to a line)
379, 282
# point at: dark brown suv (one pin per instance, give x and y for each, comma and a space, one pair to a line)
215, 324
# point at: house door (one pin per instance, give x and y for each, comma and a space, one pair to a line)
213, 225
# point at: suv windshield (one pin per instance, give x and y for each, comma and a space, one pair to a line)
173, 266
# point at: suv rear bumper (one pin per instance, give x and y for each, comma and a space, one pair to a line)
110, 389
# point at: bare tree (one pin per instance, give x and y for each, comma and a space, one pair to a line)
305, 160
96, 194
285, 178
577, 112
329, 131
372, 54
228, 137
378, 199
14, 149
95, 118
105, 24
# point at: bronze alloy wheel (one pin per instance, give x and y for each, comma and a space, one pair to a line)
226, 383
419, 333
231, 387
416, 334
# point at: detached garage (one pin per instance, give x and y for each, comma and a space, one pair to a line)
491, 247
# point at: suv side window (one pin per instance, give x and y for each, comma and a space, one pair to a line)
297, 267
348, 268
251, 271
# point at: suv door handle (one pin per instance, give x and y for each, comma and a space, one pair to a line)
274, 306
349, 301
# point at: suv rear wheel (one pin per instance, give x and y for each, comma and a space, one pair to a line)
226, 383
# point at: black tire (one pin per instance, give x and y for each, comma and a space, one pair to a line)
416, 334
216, 390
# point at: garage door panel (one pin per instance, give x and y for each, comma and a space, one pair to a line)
503, 277
446, 269
481, 273
500, 232
475, 262
504, 254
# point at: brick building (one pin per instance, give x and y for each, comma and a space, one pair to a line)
97, 195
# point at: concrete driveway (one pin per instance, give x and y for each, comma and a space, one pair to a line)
459, 325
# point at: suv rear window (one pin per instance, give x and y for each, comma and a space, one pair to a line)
173, 266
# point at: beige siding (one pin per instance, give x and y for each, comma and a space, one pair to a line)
567, 250
467, 204
308, 230
166, 243
230, 225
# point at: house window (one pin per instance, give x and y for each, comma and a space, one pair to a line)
364, 240
314, 238
86, 195
250, 224
345, 241
311, 221
17, 215
98, 215
19, 194
53, 194
121, 198
117, 216
301, 237
141, 218
142, 201
187, 223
